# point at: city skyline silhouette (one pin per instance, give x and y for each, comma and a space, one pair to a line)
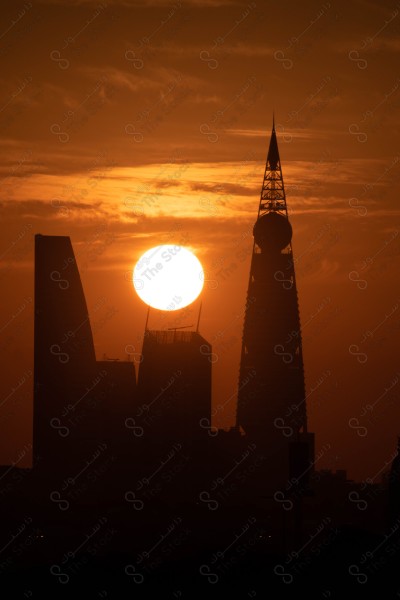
124, 152
247, 443
137, 447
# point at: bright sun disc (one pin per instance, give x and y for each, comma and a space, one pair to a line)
168, 277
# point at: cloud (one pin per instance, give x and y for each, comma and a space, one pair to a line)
287, 132
134, 196
145, 3
55, 209
121, 79
222, 188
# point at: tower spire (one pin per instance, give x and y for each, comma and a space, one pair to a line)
273, 192
271, 381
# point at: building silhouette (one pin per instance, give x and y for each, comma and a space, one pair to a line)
78, 402
394, 488
271, 397
174, 385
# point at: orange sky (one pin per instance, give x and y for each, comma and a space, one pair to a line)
130, 124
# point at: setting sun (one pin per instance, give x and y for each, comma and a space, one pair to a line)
168, 277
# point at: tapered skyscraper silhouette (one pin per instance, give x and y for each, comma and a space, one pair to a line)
78, 401
271, 398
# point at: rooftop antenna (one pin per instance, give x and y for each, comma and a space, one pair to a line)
198, 318
147, 319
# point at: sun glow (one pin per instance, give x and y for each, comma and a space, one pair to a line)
168, 277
